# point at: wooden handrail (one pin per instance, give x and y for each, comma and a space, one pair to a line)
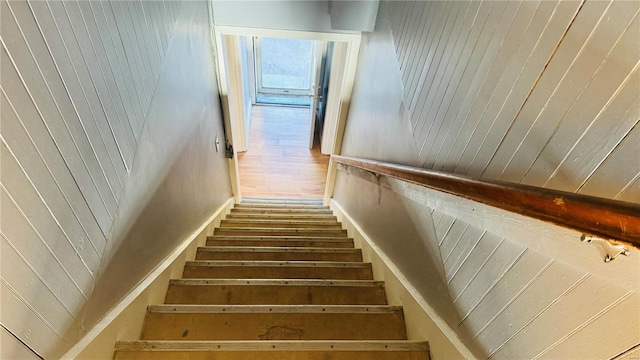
605, 218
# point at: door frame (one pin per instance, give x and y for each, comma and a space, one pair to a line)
227, 87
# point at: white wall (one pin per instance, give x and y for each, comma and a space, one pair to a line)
308, 15
533, 92
109, 111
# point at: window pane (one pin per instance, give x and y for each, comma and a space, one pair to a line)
286, 63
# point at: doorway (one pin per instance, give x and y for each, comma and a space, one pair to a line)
282, 156
239, 122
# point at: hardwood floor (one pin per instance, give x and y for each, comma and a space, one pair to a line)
279, 162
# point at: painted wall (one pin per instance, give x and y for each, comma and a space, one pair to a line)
108, 119
542, 93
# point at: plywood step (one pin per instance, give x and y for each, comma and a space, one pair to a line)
282, 206
273, 350
269, 223
258, 210
273, 322
278, 253
280, 241
247, 231
282, 216
277, 270
277, 200
275, 292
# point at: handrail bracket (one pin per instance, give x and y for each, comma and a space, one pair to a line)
608, 249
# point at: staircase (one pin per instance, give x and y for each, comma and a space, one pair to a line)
279, 279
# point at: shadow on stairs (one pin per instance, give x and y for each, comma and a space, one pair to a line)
279, 279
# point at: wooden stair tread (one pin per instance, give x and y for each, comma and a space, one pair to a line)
309, 264
275, 292
274, 223
280, 206
282, 216
274, 345
274, 309
287, 230
268, 221
249, 199
277, 282
279, 279
278, 249
279, 242
249, 210
274, 322
275, 237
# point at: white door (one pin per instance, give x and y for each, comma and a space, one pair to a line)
315, 94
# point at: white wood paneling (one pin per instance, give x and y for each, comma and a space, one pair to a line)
546, 328
622, 322
67, 231
26, 284
591, 97
536, 298
538, 92
64, 124
76, 84
13, 349
520, 91
18, 316
497, 25
47, 173
515, 281
128, 67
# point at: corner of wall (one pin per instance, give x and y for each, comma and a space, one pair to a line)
422, 320
125, 320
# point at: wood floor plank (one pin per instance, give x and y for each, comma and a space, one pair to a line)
278, 162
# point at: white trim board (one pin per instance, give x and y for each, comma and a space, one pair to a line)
422, 321
124, 321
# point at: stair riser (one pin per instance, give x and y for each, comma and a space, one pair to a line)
279, 256
271, 355
282, 206
275, 295
274, 326
263, 211
277, 272
277, 232
281, 217
282, 243
275, 224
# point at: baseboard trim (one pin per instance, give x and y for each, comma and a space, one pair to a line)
124, 320
422, 320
